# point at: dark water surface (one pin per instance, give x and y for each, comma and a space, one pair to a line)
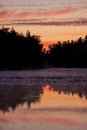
43, 99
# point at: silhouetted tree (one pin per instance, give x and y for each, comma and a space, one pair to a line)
18, 51
69, 53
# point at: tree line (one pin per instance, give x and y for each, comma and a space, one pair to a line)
69, 53
18, 51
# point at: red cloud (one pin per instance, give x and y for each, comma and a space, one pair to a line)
47, 13
57, 12
1, 5
23, 14
5, 14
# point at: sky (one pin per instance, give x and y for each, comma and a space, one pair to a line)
52, 20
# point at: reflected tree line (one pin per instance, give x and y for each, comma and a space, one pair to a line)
18, 51
13, 96
81, 91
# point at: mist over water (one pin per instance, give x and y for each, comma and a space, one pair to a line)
41, 77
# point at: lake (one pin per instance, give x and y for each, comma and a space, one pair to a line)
50, 99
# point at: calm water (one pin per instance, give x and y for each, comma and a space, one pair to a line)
43, 99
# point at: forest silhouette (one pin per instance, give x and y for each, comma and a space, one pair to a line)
18, 51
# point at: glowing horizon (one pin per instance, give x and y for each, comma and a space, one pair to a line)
52, 20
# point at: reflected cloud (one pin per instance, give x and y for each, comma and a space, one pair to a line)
60, 109
51, 119
26, 118
59, 120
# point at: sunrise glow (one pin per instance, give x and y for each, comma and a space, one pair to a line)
52, 20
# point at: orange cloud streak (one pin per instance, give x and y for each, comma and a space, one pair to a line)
1, 5
6, 14
46, 13
57, 12
24, 14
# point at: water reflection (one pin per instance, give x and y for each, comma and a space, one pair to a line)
13, 96
81, 91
